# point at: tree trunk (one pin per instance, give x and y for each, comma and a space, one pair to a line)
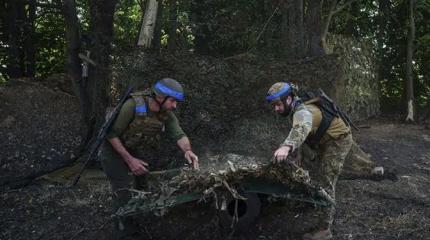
156, 43
29, 43
73, 63
73, 40
201, 31
13, 36
313, 27
173, 24
21, 34
99, 78
292, 28
383, 14
409, 70
426, 115
148, 24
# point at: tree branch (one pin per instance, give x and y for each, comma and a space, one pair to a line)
328, 20
334, 8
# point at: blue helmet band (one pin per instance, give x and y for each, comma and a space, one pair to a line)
141, 109
279, 94
169, 92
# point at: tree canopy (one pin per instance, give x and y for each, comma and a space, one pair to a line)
33, 39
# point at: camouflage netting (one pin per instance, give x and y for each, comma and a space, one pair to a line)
220, 175
225, 108
360, 96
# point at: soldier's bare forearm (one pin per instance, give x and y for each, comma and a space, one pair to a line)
184, 144
120, 149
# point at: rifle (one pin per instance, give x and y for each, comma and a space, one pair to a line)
102, 132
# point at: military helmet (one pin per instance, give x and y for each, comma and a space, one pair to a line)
168, 87
278, 91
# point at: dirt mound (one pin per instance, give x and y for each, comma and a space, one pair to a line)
225, 109
39, 128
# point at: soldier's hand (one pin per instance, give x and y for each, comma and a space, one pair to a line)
192, 159
281, 154
137, 166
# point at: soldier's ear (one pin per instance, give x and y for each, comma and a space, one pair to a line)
289, 100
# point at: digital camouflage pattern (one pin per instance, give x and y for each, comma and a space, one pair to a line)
301, 127
324, 171
275, 88
326, 166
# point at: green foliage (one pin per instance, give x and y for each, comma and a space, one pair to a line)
225, 28
50, 41
126, 24
184, 32
83, 11
2, 78
422, 54
387, 29
229, 27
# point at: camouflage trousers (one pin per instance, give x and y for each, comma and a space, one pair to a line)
324, 170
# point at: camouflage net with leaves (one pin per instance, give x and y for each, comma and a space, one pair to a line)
221, 173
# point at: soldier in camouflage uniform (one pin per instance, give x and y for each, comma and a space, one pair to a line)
132, 144
330, 136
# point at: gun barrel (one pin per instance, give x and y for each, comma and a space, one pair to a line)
102, 132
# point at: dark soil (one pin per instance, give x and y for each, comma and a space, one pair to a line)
366, 209
387, 209
39, 129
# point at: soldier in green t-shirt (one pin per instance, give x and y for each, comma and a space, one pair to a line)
132, 144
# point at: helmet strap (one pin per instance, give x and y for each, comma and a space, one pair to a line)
160, 105
287, 108
164, 100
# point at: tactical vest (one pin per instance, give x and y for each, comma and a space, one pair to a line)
146, 128
329, 111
